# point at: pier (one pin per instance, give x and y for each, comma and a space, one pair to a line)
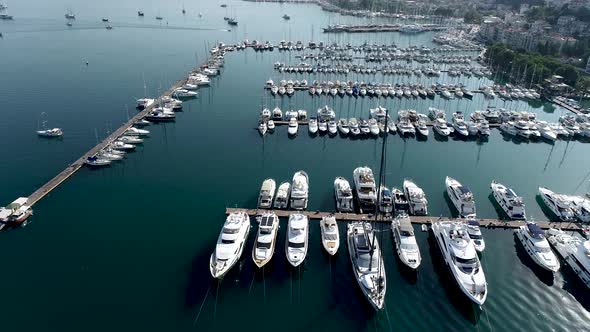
421, 220
76, 165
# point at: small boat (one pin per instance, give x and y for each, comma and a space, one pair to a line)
462, 198
293, 127
354, 126
323, 126
265, 242
140, 13
373, 127
385, 200
558, 204
270, 124
230, 244
343, 126
475, 234
332, 128
441, 128
299, 191
343, 195
95, 161
109, 155
330, 235
104, 19
313, 125
184, 93
461, 257
132, 131
143, 103
574, 250
511, 203
535, 244
232, 21
400, 201
130, 139
118, 145
364, 127
405, 241
54, 132
421, 128
459, 124
297, 237
424, 228
367, 262
416, 198
262, 128
286, 17
267, 193
159, 18
282, 197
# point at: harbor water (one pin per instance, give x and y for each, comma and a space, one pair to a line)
127, 247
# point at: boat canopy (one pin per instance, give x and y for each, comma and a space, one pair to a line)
473, 223
535, 230
464, 189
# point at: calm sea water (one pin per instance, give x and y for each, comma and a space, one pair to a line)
127, 247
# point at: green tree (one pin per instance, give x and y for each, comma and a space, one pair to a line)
570, 74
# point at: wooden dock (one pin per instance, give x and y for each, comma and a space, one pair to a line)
76, 165
423, 220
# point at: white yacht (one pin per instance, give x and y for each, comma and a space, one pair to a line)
332, 128
299, 191
405, 241
270, 124
264, 245
366, 191
54, 132
343, 126
326, 113
282, 197
230, 244
267, 193
475, 234
343, 195
130, 139
511, 203
108, 155
558, 204
422, 128
293, 127
581, 207
385, 200
373, 128
574, 250
323, 126
367, 262
404, 127
118, 145
462, 198
330, 235
440, 127
143, 103
416, 198
184, 93
313, 125
297, 236
459, 124
461, 257
533, 240
132, 131
354, 126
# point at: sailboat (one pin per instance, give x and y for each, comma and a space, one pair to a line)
364, 250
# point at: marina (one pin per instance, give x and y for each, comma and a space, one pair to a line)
149, 234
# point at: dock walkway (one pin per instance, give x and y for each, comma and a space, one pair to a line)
76, 165
423, 220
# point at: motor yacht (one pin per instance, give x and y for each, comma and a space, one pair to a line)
405, 127
511, 203
160, 115
230, 244
144, 103
365, 188
184, 93
299, 191
373, 127
108, 155
581, 207
474, 231
132, 131
326, 113
313, 125
267, 193
421, 128
293, 127
461, 257
462, 198
15, 213
118, 145
364, 127
574, 250
330, 234
297, 237
367, 262
405, 241
282, 197
416, 198
323, 126
440, 127
130, 139
277, 114
534, 242
546, 131
558, 204
459, 124
385, 200
265, 242
354, 126
262, 127
343, 195
343, 126
332, 128
400, 201
522, 129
